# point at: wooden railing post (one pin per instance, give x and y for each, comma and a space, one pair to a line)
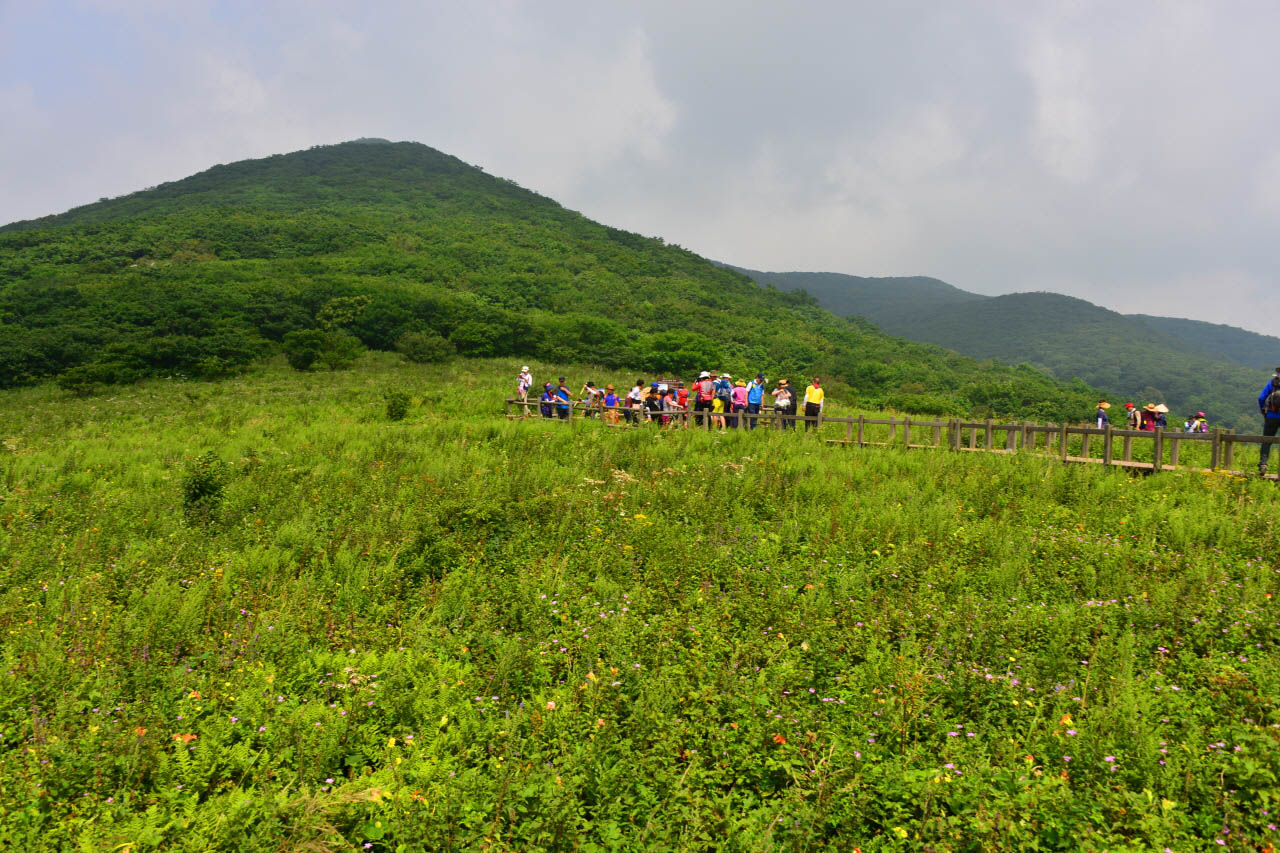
1026, 434
1175, 444
862, 426
906, 432
937, 435
988, 435
1229, 451
1215, 451
1128, 448
1157, 450
1062, 441
1107, 446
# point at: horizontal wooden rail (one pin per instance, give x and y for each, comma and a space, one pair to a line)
953, 434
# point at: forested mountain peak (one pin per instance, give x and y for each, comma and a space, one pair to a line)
323, 252
364, 171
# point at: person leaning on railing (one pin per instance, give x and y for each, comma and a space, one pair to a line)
1269, 405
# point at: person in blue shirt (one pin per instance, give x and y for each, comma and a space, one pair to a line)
545, 403
565, 398
1269, 405
755, 398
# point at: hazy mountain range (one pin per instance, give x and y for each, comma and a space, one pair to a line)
1188, 364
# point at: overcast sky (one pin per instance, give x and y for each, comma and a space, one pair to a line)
1126, 153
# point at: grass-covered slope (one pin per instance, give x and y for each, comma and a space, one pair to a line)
201, 276
1185, 363
1261, 352
458, 632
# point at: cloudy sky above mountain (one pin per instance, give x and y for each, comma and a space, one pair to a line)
1125, 153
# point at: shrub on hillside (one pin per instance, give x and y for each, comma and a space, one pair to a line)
203, 483
397, 404
425, 347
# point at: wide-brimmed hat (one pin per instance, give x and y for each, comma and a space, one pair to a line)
1103, 404
704, 375
1149, 407
782, 383
526, 367
1162, 408
608, 387
741, 383
726, 376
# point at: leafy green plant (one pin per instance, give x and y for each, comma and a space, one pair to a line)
397, 404
203, 484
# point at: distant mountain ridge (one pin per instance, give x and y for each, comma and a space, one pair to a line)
1189, 364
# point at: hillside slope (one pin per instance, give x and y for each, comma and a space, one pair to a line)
1249, 349
1189, 365
377, 241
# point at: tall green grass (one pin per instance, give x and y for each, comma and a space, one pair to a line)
459, 631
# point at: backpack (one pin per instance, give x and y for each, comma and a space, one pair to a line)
724, 389
1272, 404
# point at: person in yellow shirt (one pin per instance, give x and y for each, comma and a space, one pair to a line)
814, 397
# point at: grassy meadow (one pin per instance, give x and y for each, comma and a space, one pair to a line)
257, 614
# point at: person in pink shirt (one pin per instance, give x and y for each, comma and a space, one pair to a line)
739, 395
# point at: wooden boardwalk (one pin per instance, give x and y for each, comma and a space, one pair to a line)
1079, 444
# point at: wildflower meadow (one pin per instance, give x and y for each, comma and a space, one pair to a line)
263, 613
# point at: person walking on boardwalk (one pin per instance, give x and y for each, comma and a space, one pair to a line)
1147, 418
739, 402
653, 404
610, 405
548, 396
523, 383
1197, 423
814, 398
1132, 420
755, 399
782, 401
1162, 416
1101, 417
703, 394
565, 405
1269, 405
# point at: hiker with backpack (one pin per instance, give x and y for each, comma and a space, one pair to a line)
1147, 418
703, 394
1132, 420
755, 399
523, 383
1101, 417
1269, 405
783, 400
1196, 423
548, 395
635, 402
723, 402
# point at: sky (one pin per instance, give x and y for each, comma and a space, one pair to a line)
1124, 153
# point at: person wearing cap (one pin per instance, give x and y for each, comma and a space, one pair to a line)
1197, 423
565, 405
703, 394
682, 402
755, 399
814, 398
1147, 418
653, 403
523, 383
1269, 406
590, 395
548, 396
610, 404
1132, 421
1101, 417
783, 399
739, 401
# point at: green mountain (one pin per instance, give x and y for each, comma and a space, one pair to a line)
372, 244
1188, 365
1240, 345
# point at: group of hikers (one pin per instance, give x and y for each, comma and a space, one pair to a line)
1150, 417
723, 400
716, 399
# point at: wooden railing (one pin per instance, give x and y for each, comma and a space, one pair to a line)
1068, 443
